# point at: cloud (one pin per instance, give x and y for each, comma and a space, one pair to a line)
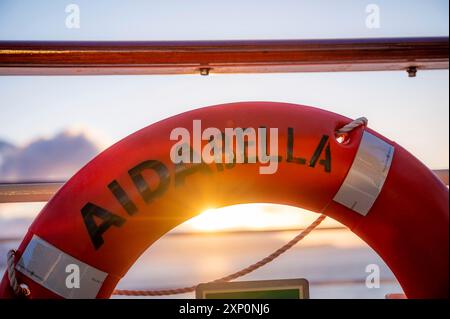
5, 149
55, 158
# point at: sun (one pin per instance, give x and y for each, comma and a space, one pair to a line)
249, 217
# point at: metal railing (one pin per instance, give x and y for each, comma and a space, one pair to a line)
43, 191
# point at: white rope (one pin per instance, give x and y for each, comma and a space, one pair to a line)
19, 290
240, 273
347, 128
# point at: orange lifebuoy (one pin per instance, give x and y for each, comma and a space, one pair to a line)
130, 195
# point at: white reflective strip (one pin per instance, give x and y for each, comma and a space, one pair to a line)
47, 265
366, 177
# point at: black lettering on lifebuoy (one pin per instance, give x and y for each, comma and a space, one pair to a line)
226, 152
290, 149
142, 186
327, 162
122, 197
183, 170
96, 231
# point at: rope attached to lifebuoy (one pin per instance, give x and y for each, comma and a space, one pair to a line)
233, 276
347, 128
20, 290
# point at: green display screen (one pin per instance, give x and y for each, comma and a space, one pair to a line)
261, 294
260, 289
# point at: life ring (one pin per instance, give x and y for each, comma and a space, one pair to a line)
130, 195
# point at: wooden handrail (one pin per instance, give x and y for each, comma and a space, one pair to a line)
189, 57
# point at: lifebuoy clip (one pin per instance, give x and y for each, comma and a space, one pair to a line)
367, 174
